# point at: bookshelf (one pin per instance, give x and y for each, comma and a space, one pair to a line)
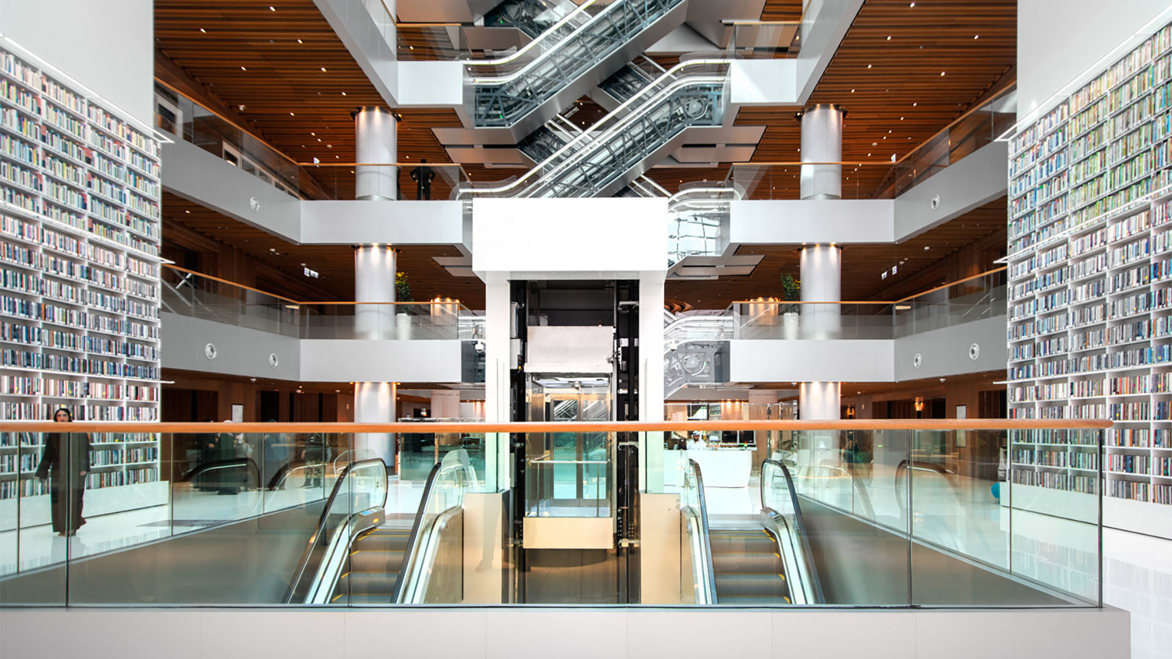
79, 282
1090, 288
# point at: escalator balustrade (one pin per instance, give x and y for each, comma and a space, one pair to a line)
376, 557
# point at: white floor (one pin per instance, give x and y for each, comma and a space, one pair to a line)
1137, 569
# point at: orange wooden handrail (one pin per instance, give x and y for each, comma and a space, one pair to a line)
904, 299
539, 427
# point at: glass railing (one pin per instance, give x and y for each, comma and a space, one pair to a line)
193, 294
763, 39
975, 298
935, 502
325, 177
973, 130
946, 491
931, 502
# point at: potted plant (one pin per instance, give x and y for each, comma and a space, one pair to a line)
791, 292
402, 294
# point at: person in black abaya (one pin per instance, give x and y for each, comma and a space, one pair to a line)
65, 461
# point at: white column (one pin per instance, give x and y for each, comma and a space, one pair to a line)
651, 345
374, 270
374, 281
497, 362
822, 143
376, 143
821, 265
821, 275
374, 402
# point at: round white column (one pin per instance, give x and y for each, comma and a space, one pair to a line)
374, 402
821, 265
374, 281
821, 273
376, 143
822, 143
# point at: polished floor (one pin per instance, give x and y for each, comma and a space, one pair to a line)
1137, 569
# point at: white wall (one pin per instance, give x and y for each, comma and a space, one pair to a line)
570, 633
1059, 39
569, 238
106, 45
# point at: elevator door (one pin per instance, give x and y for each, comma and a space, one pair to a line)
569, 474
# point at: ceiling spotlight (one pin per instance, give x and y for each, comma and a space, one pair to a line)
272, 8
941, 73
299, 41
203, 30
868, 66
243, 69
889, 37
323, 69
976, 36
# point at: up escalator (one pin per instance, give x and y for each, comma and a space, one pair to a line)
374, 563
753, 560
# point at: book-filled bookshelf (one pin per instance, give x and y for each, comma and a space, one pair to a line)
1090, 288
79, 281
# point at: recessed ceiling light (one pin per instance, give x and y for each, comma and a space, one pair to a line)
323, 69
912, 4
868, 66
203, 30
852, 91
299, 41
976, 36
901, 118
187, 211
889, 37
942, 73
312, 134
343, 93
272, 8
292, 115
243, 69
914, 104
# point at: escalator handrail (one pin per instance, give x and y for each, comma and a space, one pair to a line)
906, 467
530, 46
315, 538
652, 94
212, 465
706, 533
413, 538
799, 526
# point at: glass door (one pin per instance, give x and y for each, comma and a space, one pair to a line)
568, 474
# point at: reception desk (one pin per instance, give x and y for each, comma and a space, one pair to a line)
720, 467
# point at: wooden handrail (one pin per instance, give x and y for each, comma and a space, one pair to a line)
300, 303
955, 283
230, 283
540, 427
903, 299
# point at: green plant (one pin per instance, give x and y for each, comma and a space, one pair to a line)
791, 288
402, 288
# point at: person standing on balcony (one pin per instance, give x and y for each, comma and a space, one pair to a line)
423, 176
65, 462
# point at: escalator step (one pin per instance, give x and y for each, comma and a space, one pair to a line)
367, 583
771, 585
747, 563
742, 542
382, 541
753, 601
376, 561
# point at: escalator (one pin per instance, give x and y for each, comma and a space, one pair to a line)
758, 560
567, 59
601, 160
358, 555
